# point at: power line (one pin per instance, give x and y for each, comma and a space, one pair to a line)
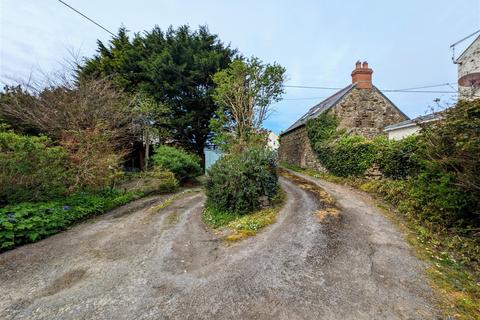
431, 86
412, 89
91, 20
418, 91
313, 87
465, 38
310, 98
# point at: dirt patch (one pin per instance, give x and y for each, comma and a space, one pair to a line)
65, 281
328, 211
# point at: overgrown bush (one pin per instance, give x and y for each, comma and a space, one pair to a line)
435, 174
184, 165
452, 147
31, 168
348, 155
93, 160
151, 181
58, 105
28, 222
237, 182
322, 130
398, 159
341, 154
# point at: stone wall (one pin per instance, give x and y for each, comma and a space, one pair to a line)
366, 112
362, 111
295, 149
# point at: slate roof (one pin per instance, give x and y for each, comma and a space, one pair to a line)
321, 107
413, 122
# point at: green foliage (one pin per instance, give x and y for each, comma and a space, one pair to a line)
31, 168
433, 196
348, 155
341, 154
174, 67
237, 181
322, 130
152, 181
243, 93
452, 147
216, 218
92, 159
29, 222
241, 226
184, 165
439, 167
399, 159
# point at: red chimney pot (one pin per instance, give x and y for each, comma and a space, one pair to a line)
362, 75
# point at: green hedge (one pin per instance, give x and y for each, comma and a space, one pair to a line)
348, 155
435, 175
341, 154
237, 181
29, 222
31, 169
399, 159
184, 165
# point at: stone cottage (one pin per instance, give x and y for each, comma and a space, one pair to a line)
360, 107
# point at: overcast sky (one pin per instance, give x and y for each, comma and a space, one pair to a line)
405, 42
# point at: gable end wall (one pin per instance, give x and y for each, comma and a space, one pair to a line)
366, 112
295, 149
361, 111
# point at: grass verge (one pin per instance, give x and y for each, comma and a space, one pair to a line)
453, 259
235, 227
169, 201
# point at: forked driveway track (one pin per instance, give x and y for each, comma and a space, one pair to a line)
136, 264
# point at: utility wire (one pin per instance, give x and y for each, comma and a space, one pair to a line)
91, 20
465, 38
412, 89
418, 91
431, 86
311, 87
310, 98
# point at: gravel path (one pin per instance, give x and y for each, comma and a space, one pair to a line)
135, 264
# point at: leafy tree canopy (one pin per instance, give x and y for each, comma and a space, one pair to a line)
174, 67
244, 92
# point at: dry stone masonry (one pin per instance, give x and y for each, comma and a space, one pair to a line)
361, 108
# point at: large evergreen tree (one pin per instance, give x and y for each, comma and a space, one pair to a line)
174, 67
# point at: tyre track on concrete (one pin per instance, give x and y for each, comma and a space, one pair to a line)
167, 265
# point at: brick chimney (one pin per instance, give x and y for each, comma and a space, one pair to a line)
362, 75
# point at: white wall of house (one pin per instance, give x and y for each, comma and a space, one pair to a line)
273, 141
469, 66
400, 133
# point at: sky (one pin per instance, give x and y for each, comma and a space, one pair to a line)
407, 43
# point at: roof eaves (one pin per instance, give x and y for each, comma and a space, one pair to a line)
303, 120
466, 49
413, 122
